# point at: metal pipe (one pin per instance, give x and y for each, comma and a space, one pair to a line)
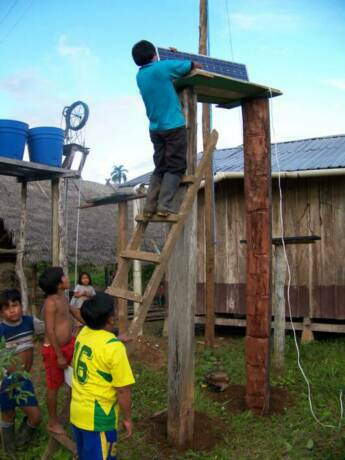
284, 174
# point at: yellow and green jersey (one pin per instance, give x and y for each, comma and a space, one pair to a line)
100, 365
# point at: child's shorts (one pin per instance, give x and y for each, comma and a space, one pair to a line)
54, 374
10, 397
95, 445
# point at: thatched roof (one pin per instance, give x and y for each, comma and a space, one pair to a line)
97, 231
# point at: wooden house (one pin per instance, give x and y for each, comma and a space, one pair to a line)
313, 188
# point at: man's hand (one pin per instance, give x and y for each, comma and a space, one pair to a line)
125, 338
62, 362
197, 65
128, 425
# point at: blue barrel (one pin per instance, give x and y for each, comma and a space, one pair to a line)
46, 145
13, 135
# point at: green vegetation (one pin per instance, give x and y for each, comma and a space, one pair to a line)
291, 434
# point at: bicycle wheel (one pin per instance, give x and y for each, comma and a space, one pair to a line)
76, 115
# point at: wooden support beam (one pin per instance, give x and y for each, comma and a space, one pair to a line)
258, 203
209, 198
55, 238
171, 218
280, 269
182, 282
124, 294
121, 246
62, 232
141, 255
21, 247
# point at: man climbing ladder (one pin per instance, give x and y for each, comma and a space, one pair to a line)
161, 260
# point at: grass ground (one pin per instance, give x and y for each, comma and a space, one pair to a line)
289, 434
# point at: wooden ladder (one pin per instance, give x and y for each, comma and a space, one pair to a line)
161, 260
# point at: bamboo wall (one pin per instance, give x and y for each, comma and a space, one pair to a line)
310, 206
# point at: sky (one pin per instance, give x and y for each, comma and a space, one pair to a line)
55, 52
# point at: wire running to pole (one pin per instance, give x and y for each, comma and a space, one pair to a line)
229, 29
282, 228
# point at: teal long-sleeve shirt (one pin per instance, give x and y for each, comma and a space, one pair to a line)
155, 82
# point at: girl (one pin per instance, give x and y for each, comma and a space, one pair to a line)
83, 290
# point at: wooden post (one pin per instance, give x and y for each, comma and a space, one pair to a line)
121, 246
307, 333
209, 199
182, 283
55, 239
258, 203
279, 306
137, 266
62, 231
21, 247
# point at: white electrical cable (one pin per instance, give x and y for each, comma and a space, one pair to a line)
289, 284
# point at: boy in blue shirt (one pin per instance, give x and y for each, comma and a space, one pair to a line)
168, 132
17, 330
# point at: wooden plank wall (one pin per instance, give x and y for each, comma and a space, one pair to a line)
311, 206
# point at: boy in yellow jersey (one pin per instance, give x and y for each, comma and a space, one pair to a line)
101, 382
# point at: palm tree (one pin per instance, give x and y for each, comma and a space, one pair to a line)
118, 174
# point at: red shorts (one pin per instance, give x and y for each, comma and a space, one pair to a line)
54, 374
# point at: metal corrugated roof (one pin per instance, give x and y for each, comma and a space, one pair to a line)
301, 155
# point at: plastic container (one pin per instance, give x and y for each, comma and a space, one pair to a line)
46, 145
13, 135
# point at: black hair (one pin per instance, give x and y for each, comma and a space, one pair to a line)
82, 274
97, 310
9, 295
143, 52
50, 280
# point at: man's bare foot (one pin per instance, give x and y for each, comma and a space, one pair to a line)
56, 428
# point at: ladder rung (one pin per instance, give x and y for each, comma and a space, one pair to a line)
188, 180
170, 218
124, 294
141, 255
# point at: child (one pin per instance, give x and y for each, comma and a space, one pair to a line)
17, 330
58, 346
83, 291
167, 124
100, 383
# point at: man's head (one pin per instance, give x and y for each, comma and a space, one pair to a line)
10, 305
98, 312
143, 52
52, 280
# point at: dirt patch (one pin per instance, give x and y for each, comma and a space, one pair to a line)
208, 432
150, 351
233, 399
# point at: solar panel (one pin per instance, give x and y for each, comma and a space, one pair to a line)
229, 69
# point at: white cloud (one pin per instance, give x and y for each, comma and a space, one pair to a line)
23, 84
65, 49
338, 83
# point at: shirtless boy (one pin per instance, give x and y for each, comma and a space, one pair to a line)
58, 346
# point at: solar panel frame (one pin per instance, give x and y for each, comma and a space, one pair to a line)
219, 66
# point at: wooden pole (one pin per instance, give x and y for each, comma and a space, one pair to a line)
121, 246
258, 203
182, 283
137, 265
55, 241
280, 269
209, 198
21, 247
63, 262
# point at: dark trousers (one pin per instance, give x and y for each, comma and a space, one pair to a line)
170, 151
